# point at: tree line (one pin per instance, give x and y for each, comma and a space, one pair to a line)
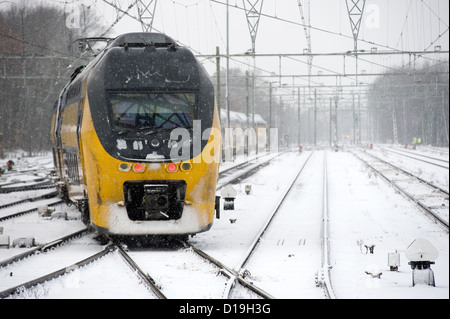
416, 101
38, 53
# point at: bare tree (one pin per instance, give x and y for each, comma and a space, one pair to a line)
38, 53
415, 101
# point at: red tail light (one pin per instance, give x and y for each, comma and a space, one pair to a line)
138, 168
172, 168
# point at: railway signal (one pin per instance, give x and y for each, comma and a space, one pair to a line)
422, 254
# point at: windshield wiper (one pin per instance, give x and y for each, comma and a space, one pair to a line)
122, 132
147, 130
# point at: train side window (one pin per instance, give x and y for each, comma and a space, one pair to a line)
73, 93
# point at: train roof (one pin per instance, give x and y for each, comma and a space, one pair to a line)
143, 39
241, 118
145, 60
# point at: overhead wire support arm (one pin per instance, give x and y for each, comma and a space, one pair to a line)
145, 12
348, 53
253, 15
307, 30
119, 12
355, 10
253, 9
355, 13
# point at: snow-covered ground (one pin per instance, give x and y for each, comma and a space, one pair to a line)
363, 209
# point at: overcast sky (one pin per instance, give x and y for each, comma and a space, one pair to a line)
408, 25
397, 24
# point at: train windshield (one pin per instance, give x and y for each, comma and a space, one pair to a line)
139, 111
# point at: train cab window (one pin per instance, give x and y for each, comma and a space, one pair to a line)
142, 110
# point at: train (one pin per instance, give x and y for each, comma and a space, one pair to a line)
243, 134
136, 139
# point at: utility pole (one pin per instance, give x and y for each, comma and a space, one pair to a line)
336, 138
253, 10
299, 118
315, 117
359, 117
307, 30
355, 10
354, 120
247, 100
270, 114
218, 81
1, 125
145, 12
227, 73
270, 105
331, 121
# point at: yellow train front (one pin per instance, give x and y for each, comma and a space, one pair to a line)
136, 139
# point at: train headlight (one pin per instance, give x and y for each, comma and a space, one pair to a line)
124, 167
186, 166
138, 168
172, 168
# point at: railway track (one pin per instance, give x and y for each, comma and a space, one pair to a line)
10, 264
47, 285
290, 254
430, 198
31, 186
32, 198
291, 246
243, 170
14, 210
17, 281
241, 270
291, 250
66, 253
439, 162
210, 272
24, 181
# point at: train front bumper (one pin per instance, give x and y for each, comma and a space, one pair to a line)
195, 218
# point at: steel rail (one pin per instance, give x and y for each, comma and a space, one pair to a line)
249, 161
109, 248
414, 153
411, 174
27, 211
230, 273
418, 159
149, 281
408, 195
32, 199
29, 187
225, 270
43, 247
326, 283
19, 288
272, 215
252, 168
266, 225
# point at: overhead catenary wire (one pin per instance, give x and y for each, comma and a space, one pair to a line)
237, 6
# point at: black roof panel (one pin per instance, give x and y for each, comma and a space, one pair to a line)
142, 38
